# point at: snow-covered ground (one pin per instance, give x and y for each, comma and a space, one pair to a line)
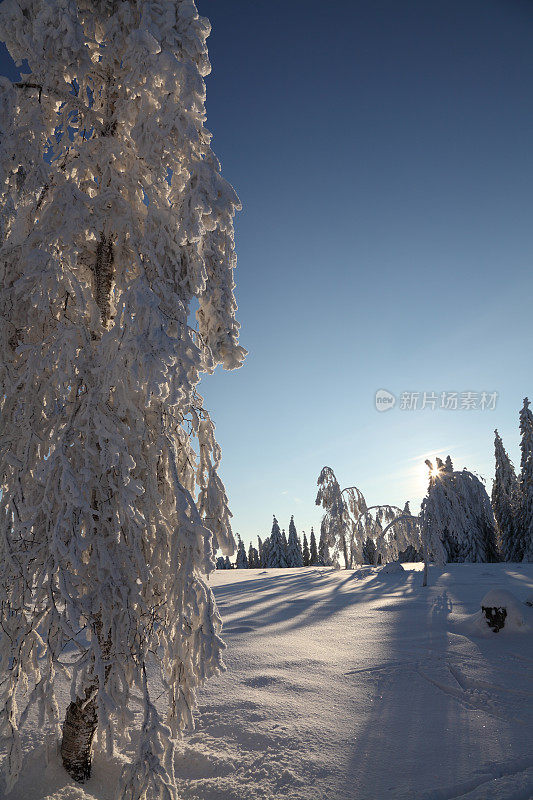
351, 686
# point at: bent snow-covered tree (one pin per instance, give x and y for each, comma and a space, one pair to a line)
394, 533
336, 526
358, 530
457, 522
114, 220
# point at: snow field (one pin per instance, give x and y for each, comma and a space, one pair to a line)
350, 685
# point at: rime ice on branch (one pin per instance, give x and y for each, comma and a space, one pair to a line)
114, 219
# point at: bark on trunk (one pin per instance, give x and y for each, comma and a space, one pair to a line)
103, 274
81, 719
79, 728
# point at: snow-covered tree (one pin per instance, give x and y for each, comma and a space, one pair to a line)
358, 522
115, 222
241, 561
457, 522
260, 551
394, 532
410, 547
506, 504
306, 556
294, 548
253, 557
276, 550
265, 553
220, 563
285, 544
369, 552
324, 558
524, 539
313, 552
336, 523
363, 532
227, 563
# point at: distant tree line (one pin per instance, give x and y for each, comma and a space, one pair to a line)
279, 551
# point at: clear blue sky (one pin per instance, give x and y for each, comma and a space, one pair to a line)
382, 151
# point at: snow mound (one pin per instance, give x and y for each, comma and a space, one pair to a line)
502, 599
362, 572
391, 569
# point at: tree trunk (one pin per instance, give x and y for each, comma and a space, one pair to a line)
79, 728
81, 720
345, 553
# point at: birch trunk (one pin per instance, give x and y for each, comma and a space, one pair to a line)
80, 725
81, 719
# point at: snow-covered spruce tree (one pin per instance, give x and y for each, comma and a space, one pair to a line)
506, 503
306, 556
265, 553
227, 563
294, 548
524, 540
220, 563
241, 561
115, 220
369, 555
276, 551
313, 552
285, 544
253, 557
